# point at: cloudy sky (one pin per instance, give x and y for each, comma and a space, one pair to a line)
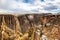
41, 6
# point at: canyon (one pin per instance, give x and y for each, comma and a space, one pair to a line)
30, 27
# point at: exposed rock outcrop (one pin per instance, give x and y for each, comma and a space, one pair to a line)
30, 27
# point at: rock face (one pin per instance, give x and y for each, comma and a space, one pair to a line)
30, 27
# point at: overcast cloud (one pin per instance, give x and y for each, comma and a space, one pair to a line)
41, 6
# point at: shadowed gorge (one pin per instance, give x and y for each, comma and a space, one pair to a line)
0, 27
30, 27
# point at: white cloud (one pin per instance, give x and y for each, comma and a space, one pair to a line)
35, 6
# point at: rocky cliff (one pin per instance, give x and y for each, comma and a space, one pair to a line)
30, 27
